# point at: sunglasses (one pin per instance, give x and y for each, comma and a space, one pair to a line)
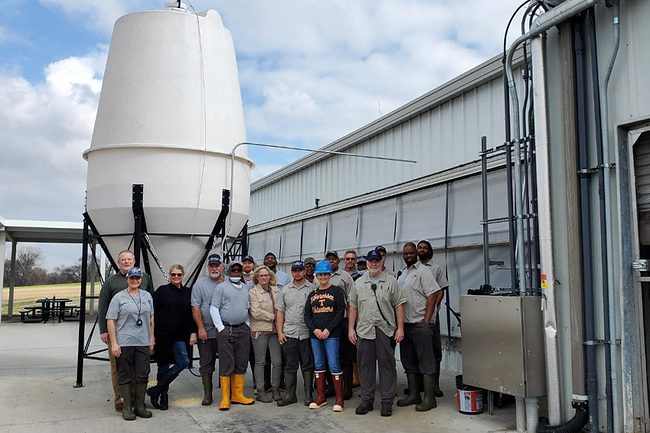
175, 274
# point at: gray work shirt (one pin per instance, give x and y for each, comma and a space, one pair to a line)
292, 302
282, 279
232, 302
202, 293
368, 302
440, 277
417, 284
343, 280
126, 309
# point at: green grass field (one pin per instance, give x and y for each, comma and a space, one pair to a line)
27, 295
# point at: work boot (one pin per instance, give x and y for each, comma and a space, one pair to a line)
290, 380
164, 400
237, 390
127, 402
436, 383
386, 409
348, 373
206, 378
364, 408
413, 396
163, 384
140, 409
224, 381
321, 400
338, 390
429, 401
308, 378
277, 395
264, 396
407, 391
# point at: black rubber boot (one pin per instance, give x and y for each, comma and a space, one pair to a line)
139, 407
308, 378
127, 400
429, 401
290, 396
206, 378
348, 378
413, 396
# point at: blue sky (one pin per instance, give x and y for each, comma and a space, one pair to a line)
310, 71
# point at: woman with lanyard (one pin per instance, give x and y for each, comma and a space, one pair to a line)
324, 313
174, 330
264, 334
130, 328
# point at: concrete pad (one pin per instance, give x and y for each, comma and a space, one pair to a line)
37, 394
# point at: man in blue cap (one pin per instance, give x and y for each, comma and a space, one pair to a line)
376, 325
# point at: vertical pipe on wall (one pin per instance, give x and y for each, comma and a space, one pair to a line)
484, 191
546, 230
585, 228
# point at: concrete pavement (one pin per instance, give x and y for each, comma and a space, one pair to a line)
37, 394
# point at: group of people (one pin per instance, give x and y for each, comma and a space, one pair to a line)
330, 322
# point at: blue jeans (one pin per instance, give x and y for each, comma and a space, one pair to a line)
181, 359
326, 352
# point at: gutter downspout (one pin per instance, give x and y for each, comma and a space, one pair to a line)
549, 19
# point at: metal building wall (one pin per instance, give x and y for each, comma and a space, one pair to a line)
440, 130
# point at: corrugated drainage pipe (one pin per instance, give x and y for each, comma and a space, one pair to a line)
574, 425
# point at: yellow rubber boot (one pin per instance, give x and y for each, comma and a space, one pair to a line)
237, 381
225, 392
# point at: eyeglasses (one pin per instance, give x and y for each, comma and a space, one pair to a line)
350, 258
174, 274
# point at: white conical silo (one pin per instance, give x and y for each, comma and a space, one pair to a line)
169, 115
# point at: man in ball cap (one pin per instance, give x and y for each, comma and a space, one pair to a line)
202, 292
376, 325
293, 334
271, 261
248, 263
310, 264
229, 309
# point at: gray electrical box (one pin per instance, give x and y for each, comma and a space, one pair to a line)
503, 344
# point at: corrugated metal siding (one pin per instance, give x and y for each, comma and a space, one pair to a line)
443, 137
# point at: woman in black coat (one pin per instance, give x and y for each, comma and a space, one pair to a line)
174, 330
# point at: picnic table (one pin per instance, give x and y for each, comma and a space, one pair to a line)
49, 308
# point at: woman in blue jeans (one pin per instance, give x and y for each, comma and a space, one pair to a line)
324, 312
174, 329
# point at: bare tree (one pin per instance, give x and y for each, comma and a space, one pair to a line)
28, 266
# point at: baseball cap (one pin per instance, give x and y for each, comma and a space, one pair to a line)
214, 259
332, 254
373, 255
380, 249
270, 253
248, 259
310, 261
134, 272
298, 264
233, 264
362, 259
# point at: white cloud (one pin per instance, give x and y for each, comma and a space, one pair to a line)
46, 127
